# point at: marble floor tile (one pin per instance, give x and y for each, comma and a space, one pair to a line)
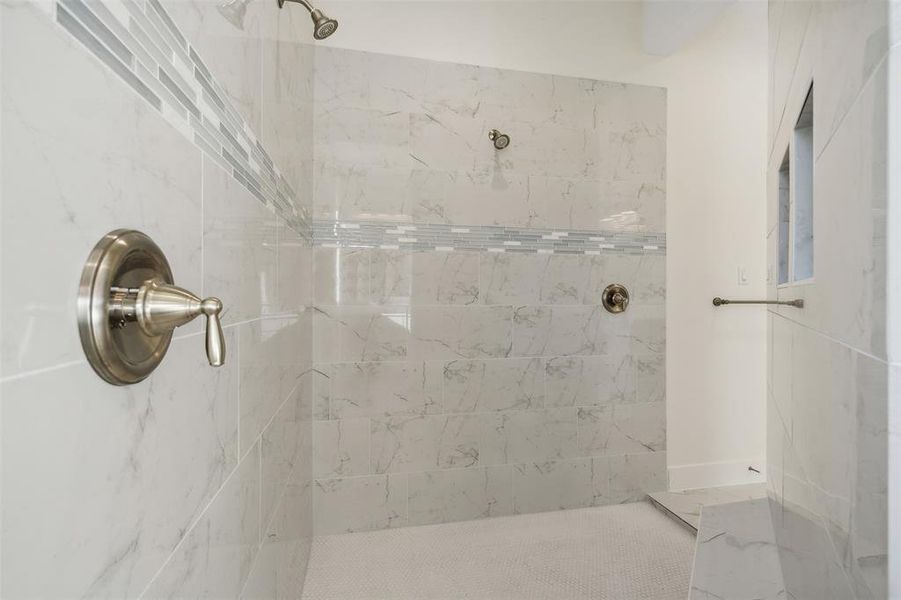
686, 505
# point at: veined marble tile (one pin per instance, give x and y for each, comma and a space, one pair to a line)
590, 380
558, 485
448, 142
561, 330
374, 389
341, 448
450, 332
358, 191
359, 333
512, 278
445, 278
354, 136
422, 443
520, 436
294, 274
622, 429
737, 555
148, 457
460, 494
217, 554
360, 503
491, 385
69, 181
285, 446
240, 247
280, 564
634, 476
341, 276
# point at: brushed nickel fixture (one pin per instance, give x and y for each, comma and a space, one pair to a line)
723, 302
235, 10
501, 140
322, 25
615, 298
128, 307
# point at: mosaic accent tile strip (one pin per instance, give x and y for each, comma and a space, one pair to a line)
145, 48
440, 237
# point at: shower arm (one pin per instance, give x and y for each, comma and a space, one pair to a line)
307, 5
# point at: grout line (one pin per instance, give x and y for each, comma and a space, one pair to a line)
832, 339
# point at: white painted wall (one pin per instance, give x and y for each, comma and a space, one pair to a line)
717, 127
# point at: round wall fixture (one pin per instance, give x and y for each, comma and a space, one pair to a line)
615, 298
128, 307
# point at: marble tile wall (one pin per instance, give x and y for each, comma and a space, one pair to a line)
828, 372
197, 481
471, 378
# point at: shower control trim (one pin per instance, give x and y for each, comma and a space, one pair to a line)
615, 298
501, 140
128, 307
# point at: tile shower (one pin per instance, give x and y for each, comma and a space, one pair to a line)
464, 366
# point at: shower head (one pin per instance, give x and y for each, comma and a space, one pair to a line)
501, 140
234, 11
323, 26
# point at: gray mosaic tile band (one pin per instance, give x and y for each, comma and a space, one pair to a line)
145, 48
395, 236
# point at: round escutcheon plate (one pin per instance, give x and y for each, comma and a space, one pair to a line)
615, 298
120, 353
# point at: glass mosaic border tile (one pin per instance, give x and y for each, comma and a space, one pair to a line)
482, 238
144, 47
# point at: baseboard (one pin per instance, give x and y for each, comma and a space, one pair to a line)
704, 475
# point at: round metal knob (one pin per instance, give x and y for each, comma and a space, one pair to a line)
615, 298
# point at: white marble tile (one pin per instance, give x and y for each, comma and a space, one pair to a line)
341, 448
622, 429
147, 457
520, 436
590, 380
353, 136
341, 276
512, 278
558, 485
561, 330
359, 191
284, 452
445, 278
737, 555
361, 333
491, 385
448, 142
421, 443
634, 476
269, 374
460, 495
68, 181
216, 556
359, 503
240, 247
451, 332
294, 273
375, 389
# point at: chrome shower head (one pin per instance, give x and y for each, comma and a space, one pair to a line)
501, 140
322, 25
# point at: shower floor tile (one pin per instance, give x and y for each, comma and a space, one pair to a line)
628, 551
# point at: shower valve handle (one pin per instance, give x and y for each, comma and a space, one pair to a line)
159, 307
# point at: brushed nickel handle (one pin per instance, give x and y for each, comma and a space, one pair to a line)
159, 307
128, 307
